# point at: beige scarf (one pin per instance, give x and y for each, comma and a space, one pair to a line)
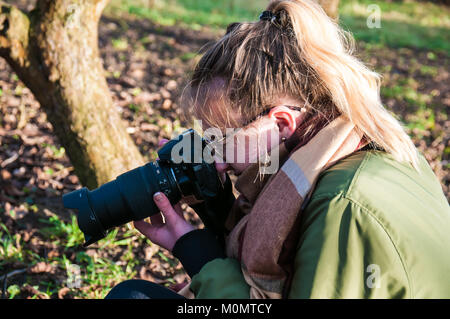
264, 221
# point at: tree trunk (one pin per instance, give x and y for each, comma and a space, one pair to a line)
54, 51
330, 7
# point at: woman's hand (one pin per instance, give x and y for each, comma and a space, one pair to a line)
165, 234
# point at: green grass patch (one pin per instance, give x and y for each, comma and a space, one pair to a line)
192, 13
403, 24
396, 34
135, 108
57, 152
420, 25
11, 248
428, 70
425, 14
62, 233
421, 122
400, 91
185, 57
13, 291
120, 44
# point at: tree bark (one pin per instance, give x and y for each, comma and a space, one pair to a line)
330, 7
54, 51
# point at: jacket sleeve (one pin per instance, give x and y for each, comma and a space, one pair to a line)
345, 252
213, 275
220, 278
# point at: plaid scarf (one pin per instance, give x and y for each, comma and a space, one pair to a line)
264, 221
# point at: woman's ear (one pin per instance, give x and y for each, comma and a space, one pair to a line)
285, 118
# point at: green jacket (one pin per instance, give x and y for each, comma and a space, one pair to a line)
374, 228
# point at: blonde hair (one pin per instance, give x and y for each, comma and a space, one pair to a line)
302, 54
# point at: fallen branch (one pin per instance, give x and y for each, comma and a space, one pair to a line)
4, 279
9, 160
13, 273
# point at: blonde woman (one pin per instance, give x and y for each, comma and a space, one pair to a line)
353, 210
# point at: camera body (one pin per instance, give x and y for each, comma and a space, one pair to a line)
178, 173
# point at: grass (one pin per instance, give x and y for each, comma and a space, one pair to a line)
403, 24
97, 273
191, 13
61, 233
10, 247
57, 152
405, 91
120, 44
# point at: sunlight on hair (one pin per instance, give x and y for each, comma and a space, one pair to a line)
302, 54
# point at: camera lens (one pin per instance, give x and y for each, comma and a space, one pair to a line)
128, 197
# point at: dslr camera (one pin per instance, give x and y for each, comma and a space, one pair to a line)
181, 172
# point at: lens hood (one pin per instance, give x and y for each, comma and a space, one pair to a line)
87, 220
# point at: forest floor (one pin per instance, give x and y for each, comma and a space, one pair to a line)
147, 66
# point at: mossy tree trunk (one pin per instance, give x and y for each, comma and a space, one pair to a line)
54, 51
330, 7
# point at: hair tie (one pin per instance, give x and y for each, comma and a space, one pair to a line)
267, 16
